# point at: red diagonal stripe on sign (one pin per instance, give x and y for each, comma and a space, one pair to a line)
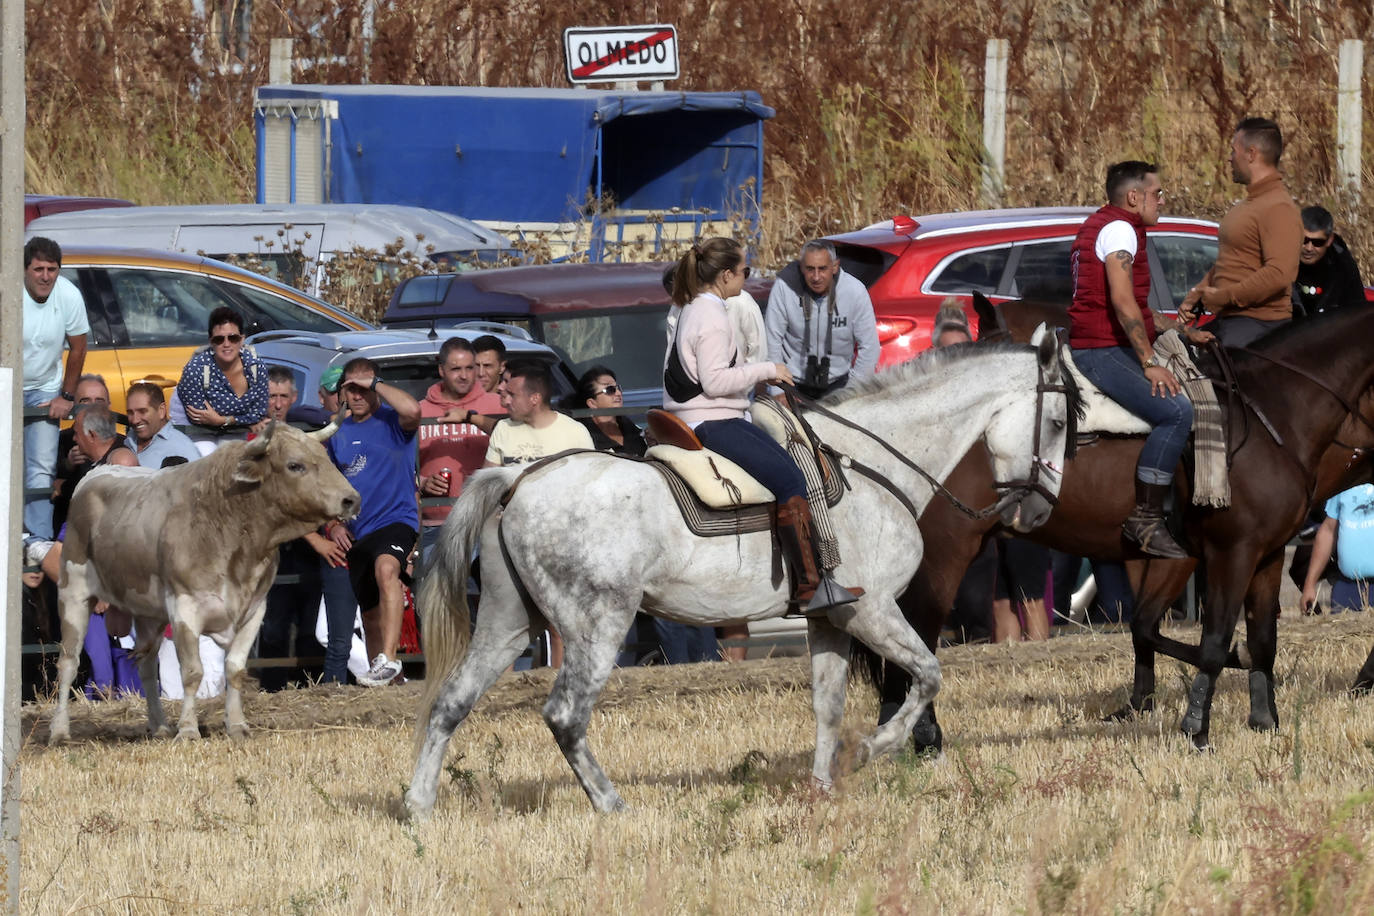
618, 55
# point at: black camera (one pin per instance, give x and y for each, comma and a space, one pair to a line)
817, 373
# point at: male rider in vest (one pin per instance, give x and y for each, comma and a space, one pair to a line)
1112, 332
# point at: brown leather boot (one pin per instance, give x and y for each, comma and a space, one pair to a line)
1145, 526
814, 591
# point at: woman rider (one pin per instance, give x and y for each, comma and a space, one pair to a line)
707, 388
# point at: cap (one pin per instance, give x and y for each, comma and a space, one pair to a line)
329, 379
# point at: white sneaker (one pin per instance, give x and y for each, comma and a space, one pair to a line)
383, 671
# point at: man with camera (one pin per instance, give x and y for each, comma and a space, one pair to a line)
820, 324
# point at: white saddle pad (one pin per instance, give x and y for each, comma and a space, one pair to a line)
717, 481
1103, 415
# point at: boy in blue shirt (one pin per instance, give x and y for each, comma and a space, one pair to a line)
375, 450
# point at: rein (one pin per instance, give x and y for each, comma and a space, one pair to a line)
1297, 370
1013, 488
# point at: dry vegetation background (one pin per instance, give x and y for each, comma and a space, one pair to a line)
879, 102
1038, 807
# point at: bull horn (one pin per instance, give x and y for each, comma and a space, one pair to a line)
325, 432
259, 443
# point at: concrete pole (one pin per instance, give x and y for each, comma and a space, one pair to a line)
995, 120
279, 62
11, 420
1350, 116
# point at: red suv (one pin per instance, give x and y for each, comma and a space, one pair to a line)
912, 264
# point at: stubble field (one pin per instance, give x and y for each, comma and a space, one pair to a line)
1036, 807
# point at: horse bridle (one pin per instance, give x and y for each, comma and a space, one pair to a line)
1011, 490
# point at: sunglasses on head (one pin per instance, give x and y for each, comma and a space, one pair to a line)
221, 338
609, 389
1317, 242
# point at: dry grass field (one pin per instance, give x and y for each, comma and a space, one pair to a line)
1036, 807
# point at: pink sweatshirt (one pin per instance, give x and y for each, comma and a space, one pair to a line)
705, 345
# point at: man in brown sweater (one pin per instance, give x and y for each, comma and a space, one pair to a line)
1249, 288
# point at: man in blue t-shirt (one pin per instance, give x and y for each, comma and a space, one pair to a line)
1349, 527
375, 449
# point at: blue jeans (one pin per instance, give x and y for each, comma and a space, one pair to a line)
1116, 370
340, 608
1350, 594
682, 643
40, 461
752, 449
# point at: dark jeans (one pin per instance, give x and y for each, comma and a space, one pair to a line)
1021, 569
1116, 370
1348, 594
1240, 330
340, 610
752, 449
295, 605
682, 643
1115, 602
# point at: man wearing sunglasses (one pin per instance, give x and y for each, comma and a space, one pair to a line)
1328, 276
820, 323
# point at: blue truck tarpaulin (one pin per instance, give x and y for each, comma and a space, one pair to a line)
532, 155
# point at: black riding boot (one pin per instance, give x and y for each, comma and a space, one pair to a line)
814, 590
1145, 526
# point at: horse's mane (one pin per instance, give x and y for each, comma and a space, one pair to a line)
933, 361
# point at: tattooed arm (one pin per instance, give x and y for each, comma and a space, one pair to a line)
1121, 290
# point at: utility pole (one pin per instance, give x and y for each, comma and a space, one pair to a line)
11, 422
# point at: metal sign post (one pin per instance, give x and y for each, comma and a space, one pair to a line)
11, 420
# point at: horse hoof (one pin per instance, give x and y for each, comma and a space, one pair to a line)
1123, 714
1262, 724
162, 731
416, 811
188, 734
237, 732
1362, 687
57, 737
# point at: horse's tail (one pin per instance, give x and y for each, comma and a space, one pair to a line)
442, 601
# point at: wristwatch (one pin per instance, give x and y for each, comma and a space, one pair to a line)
67, 396
1151, 363
467, 417
375, 382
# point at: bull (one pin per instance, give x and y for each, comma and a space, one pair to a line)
196, 546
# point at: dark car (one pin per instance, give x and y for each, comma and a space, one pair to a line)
36, 205
590, 314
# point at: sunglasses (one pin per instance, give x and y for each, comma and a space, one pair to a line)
1317, 242
746, 272
221, 338
609, 389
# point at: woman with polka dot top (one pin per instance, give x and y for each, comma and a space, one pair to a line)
225, 384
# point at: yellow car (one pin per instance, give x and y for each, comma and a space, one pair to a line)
149, 310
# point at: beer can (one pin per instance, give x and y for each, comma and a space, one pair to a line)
447, 476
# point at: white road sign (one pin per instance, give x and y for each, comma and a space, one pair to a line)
633, 52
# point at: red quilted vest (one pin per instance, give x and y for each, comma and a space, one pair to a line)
1092, 320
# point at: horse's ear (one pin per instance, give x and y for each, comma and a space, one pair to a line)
989, 319
1046, 344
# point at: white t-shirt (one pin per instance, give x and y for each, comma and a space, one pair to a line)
513, 442
1118, 235
47, 325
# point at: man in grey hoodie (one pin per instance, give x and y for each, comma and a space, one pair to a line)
820, 323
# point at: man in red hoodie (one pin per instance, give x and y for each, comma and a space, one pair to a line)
454, 447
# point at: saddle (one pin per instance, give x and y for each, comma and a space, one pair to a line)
1103, 416
715, 495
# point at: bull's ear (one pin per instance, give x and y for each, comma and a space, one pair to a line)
253, 465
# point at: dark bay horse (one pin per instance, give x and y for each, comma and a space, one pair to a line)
1272, 488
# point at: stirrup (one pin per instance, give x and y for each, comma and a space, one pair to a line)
828, 594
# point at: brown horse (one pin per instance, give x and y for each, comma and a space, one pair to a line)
1272, 488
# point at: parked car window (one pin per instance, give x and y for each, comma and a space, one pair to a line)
1042, 272
100, 335
865, 264
629, 341
1183, 260
974, 271
427, 290
283, 266
265, 312
165, 309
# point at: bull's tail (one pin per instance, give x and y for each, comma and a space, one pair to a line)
442, 601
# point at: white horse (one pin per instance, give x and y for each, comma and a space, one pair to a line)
589, 540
